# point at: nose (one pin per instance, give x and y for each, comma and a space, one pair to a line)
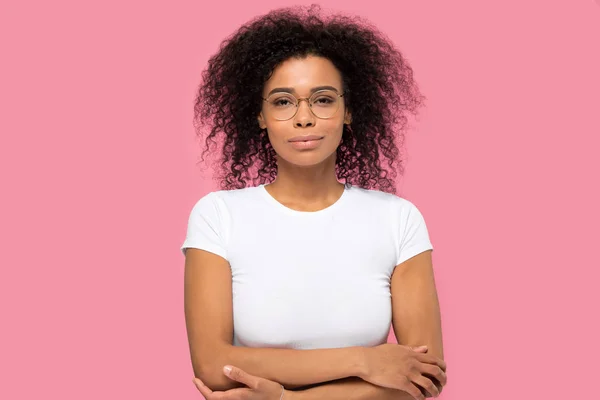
304, 116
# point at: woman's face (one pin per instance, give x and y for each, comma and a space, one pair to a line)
301, 78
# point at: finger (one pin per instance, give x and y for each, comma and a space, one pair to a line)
426, 384
238, 375
439, 387
435, 372
420, 349
413, 391
429, 359
205, 390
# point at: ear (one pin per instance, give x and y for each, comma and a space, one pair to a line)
261, 121
347, 118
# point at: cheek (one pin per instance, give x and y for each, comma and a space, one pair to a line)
277, 134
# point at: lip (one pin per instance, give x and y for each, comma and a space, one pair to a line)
305, 138
306, 142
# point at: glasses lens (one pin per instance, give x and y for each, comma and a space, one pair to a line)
324, 103
282, 106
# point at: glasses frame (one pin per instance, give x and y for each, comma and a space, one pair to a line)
298, 100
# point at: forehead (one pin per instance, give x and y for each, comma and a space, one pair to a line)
304, 74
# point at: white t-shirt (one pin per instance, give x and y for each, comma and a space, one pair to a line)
309, 280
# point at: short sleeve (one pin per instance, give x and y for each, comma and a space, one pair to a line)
205, 228
413, 233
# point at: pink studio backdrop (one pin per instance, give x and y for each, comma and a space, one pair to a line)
98, 178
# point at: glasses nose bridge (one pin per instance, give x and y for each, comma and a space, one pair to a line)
298, 100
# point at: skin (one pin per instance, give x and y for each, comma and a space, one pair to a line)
306, 179
257, 388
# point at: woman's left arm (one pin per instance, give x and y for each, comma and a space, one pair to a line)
351, 388
347, 389
415, 307
416, 316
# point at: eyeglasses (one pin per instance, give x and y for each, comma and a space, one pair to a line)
323, 104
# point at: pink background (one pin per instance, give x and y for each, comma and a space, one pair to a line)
98, 178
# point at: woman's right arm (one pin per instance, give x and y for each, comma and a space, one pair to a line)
209, 322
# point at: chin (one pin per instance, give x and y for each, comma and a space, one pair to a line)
307, 158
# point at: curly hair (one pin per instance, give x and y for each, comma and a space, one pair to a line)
377, 79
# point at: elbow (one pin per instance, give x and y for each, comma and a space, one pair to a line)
210, 372
215, 380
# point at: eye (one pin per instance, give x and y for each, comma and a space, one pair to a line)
281, 102
323, 100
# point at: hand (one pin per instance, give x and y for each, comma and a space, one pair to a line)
258, 388
405, 368
383, 393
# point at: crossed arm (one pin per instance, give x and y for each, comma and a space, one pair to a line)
349, 389
208, 305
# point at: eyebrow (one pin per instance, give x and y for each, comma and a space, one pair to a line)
291, 90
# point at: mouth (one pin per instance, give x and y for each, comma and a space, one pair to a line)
306, 144
309, 138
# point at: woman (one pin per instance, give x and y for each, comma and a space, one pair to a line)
292, 283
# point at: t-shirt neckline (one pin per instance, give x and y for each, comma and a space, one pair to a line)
265, 194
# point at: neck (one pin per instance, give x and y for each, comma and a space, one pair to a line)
313, 185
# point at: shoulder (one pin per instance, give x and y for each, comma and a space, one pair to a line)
222, 202
222, 198
380, 198
401, 213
